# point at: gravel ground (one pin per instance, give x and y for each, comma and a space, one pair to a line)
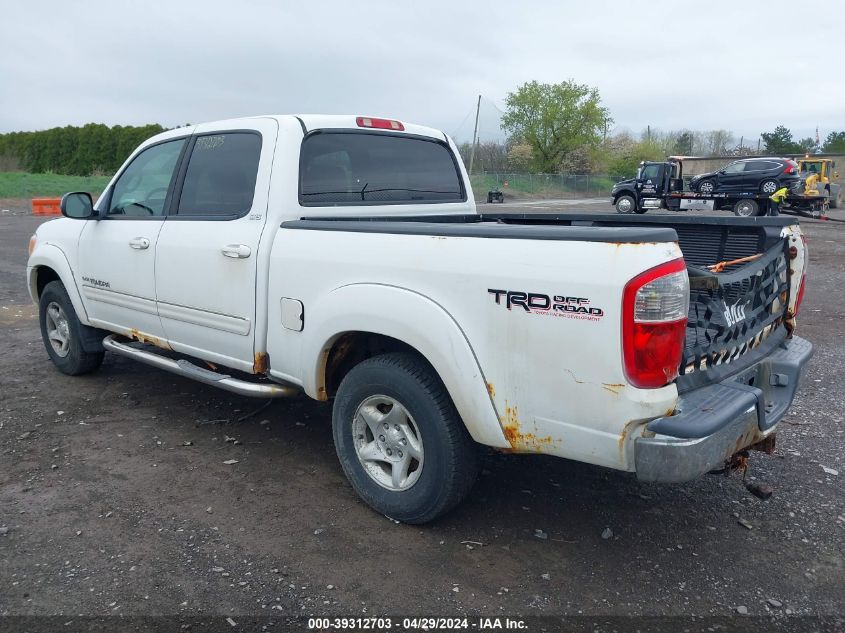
115, 499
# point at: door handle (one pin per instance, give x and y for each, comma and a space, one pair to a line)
139, 243
236, 251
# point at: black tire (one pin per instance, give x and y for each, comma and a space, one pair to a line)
640, 210
836, 201
746, 208
450, 457
626, 204
707, 184
769, 186
70, 359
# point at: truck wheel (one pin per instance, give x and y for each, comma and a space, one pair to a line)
836, 201
400, 440
60, 331
746, 208
626, 204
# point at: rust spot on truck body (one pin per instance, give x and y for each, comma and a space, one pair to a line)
623, 437
491, 390
519, 440
613, 387
137, 335
260, 363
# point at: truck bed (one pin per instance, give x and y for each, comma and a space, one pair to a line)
718, 344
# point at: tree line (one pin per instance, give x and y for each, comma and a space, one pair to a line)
564, 128
93, 149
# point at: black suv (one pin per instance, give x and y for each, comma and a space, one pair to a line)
764, 175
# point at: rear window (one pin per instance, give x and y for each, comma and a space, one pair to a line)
360, 168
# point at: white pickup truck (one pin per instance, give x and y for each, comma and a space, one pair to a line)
343, 257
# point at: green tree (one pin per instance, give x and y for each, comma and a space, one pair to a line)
80, 151
835, 142
807, 145
554, 119
780, 141
682, 144
624, 164
520, 156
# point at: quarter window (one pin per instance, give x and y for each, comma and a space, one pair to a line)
140, 191
221, 174
355, 168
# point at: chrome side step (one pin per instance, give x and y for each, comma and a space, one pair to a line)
189, 370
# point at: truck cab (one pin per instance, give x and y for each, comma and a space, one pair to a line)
648, 189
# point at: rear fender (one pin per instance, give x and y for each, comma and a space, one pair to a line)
417, 321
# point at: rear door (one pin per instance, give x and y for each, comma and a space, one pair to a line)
117, 251
758, 170
206, 260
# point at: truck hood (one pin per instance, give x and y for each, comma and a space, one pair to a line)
628, 182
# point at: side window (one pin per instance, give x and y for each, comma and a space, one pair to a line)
140, 191
220, 180
651, 172
735, 168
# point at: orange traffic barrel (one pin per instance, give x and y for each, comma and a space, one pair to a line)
46, 206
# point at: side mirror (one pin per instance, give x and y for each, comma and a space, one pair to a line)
722, 171
78, 205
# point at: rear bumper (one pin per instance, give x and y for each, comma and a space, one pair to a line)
712, 423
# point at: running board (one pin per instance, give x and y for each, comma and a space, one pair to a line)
189, 370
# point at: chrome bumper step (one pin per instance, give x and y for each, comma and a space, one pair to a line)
189, 370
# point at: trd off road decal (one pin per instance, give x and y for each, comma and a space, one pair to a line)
556, 305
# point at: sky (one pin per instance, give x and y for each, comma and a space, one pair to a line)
742, 66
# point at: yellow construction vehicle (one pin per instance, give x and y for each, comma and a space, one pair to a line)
820, 179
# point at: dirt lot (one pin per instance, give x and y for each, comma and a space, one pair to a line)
115, 499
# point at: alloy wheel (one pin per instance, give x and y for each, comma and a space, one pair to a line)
388, 443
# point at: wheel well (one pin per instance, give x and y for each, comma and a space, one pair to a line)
43, 276
351, 348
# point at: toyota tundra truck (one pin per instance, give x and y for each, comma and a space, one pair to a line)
343, 258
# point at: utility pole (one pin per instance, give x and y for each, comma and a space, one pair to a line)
474, 135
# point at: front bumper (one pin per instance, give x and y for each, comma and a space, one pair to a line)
710, 424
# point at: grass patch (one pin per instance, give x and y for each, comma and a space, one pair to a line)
19, 184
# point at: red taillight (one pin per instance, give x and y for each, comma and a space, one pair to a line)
382, 124
654, 321
800, 297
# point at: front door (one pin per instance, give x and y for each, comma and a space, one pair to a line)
732, 177
117, 251
207, 253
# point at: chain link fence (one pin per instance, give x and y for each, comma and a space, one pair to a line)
542, 185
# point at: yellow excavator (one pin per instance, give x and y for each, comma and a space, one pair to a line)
820, 179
